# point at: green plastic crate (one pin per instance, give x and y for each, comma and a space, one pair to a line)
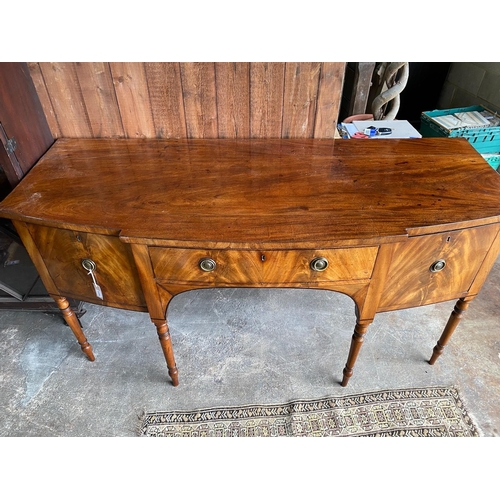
484, 139
493, 160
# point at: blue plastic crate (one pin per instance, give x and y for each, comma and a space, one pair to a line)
484, 139
493, 160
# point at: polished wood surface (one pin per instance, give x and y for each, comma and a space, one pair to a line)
272, 266
261, 194
463, 252
63, 252
399, 223
190, 100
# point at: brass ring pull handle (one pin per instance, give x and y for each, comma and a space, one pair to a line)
437, 266
207, 264
88, 265
319, 264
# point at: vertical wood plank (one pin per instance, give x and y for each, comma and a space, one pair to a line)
99, 97
198, 86
299, 103
167, 104
66, 98
233, 99
43, 95
266, 99
363, 74
176, 100
131, 87
329, 97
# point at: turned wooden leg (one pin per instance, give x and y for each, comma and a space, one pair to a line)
356, 342
74, 324
168, 352
455, 318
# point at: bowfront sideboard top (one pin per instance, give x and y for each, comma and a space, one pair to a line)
259, 192
130, 223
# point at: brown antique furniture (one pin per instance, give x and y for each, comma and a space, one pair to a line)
130, 223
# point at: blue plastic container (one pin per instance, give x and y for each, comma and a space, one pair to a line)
484, 139
493, 160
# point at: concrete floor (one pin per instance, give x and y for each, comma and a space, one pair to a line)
235, 346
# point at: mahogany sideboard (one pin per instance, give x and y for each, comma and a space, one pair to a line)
130, 223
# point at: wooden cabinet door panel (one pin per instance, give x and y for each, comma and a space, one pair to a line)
411, 282
22, 121
63, 252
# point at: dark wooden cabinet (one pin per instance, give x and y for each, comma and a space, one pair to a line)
24, 131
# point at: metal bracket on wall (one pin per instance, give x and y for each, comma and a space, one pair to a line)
10, 146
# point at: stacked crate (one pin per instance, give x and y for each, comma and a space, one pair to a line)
486, 140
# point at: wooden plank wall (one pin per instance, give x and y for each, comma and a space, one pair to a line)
194, 100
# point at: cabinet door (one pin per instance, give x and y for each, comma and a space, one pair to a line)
435, 268
22, 122
63, 252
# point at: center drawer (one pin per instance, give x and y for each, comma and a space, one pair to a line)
254, 267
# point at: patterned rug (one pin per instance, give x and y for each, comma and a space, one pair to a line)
429, 412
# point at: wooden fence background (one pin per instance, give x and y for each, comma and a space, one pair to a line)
194, 100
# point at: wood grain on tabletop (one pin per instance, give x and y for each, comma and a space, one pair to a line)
269, 191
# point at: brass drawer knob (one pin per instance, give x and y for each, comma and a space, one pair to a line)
319, 264
207, 264
437, 266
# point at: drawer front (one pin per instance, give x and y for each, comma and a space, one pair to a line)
254, 267
429, 269
63, 252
